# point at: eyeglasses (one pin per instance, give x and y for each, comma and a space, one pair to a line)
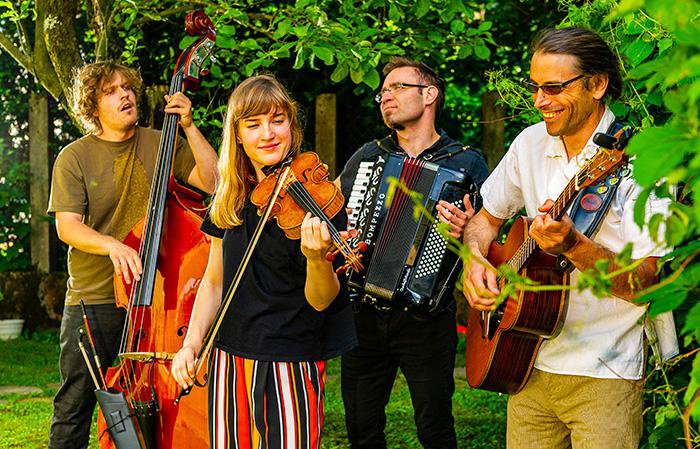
549, 89
394, 88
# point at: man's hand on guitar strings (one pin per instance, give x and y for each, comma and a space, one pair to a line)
552, 236
480, 285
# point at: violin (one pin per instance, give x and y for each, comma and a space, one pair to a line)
306, 189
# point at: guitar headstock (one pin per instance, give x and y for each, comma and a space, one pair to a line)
609, 157
193, 58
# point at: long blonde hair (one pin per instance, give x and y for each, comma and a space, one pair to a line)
254, 96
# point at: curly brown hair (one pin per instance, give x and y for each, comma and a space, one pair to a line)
86, 89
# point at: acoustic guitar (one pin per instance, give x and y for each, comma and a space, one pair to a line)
501, 345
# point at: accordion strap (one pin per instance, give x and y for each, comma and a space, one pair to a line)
445, 152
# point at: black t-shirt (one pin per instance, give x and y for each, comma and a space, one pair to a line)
269, 318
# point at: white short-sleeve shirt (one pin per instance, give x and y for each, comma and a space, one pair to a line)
601, 337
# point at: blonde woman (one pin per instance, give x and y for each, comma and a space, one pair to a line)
290, 313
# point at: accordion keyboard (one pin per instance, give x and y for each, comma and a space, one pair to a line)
357, 194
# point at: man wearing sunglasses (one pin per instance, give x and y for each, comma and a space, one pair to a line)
585, 389
410, 101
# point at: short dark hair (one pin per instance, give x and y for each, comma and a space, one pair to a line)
593, 55
427, 76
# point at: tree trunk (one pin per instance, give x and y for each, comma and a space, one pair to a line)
493, 142
39, 179
326, 131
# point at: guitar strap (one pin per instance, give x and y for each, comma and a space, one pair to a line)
592, 203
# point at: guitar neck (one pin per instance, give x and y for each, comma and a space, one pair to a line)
583, 178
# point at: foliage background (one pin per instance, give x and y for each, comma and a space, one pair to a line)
339, 46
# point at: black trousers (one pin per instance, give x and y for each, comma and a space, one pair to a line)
424, 350
75, 400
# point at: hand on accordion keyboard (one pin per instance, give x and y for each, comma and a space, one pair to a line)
454, 216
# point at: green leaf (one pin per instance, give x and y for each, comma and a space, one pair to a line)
299, 60
228, 30
251, 66
301, 31
357, 75
670, 300
654, 223
485, 26
223, 41
665, 44
619, 109
130, 20
457, 26
421, 8
634, 28
283, 28
692, 319
626, 7
340, 72
324, 54
464, 52
250, 44
639, 50
482, 52
658, 151
371, 79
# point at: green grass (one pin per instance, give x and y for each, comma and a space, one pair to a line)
24, 420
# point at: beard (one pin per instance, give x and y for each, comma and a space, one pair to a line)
391, 123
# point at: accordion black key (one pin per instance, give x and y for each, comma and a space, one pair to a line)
407, 263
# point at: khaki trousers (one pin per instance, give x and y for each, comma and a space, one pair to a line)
556, 411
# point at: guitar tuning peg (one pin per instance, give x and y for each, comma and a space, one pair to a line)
204, 72
212, 59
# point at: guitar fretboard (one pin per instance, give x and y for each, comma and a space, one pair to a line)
595, 168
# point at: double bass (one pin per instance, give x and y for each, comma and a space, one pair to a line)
174, 254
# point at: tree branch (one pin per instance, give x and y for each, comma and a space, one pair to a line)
62, 43
45, 72
17, 54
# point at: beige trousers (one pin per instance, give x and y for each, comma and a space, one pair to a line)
556, 411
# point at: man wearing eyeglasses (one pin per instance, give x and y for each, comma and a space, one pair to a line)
585, 389
410, 100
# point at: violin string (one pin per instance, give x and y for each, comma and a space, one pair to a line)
302, 195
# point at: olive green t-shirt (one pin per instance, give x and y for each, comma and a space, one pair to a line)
108, 183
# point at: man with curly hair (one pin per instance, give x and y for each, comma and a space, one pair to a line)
99, 191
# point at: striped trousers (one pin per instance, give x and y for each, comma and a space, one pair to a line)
265, 405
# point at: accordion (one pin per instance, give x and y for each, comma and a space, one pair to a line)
407, 263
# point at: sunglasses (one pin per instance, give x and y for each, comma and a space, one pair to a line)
549, 89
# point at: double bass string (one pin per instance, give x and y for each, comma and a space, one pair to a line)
133, 326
